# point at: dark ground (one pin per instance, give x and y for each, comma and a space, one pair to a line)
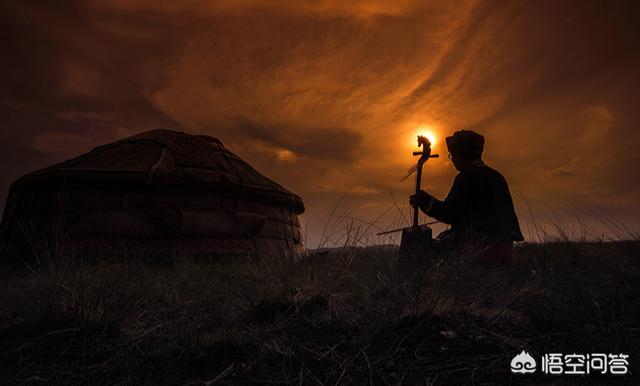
344, 316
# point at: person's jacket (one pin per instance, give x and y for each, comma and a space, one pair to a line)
479, 205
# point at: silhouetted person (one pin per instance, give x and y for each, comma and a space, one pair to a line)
479, 206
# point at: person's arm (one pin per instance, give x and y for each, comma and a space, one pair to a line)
455, 207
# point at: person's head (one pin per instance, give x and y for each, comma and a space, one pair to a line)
465, 146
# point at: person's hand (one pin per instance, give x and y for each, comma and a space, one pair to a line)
420, 199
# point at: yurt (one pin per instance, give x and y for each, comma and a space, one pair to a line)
158, 192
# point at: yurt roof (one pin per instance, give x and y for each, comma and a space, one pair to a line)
166, 159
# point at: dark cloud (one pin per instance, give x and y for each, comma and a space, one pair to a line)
336, 145
327, 96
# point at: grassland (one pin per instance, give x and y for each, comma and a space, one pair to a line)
340, 316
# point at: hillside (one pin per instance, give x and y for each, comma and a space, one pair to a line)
344, 316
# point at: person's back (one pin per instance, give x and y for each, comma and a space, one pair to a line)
487, 211
478, 207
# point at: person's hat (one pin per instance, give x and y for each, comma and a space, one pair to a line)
466, 143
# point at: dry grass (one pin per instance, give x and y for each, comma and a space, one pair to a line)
341, 316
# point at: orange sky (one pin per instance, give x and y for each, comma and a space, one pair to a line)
326, 97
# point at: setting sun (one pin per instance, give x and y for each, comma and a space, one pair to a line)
426, 133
